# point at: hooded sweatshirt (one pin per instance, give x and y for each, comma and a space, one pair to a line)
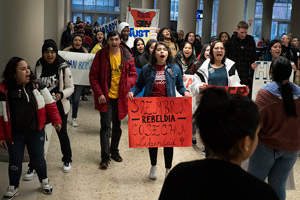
278, 131
130, 40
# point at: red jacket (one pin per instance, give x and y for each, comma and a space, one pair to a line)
45, 105
100, 78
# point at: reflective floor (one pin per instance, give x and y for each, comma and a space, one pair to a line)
125, 180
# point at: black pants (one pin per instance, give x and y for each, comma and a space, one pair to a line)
108, 117
168, 154
64, 140
63, 137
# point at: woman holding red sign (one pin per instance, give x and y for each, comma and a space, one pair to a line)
217, 70
160, 77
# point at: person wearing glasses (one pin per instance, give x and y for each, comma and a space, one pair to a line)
217, 70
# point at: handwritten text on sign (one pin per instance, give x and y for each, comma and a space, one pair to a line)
242, 90
160, 122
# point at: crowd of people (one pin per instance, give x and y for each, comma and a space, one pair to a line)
232, 128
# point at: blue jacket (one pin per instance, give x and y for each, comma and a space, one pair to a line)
147, 77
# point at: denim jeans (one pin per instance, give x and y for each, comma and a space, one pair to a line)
75, 99
34, 141
106, 118
275, 165
168, 154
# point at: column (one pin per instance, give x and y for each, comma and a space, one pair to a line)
25, 31
164, 14
267, 18
24, 35
50, 20
295, 16
206, 21
148, 4
250, 15
187, 15
228, 18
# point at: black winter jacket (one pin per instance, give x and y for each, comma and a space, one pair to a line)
243, 53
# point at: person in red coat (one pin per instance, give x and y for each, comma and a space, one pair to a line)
111, 76
25, 105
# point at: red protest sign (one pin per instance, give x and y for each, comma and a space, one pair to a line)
160, 122
242, 90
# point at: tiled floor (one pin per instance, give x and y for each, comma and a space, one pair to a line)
125, 180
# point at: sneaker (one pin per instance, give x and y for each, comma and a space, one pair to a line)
29, 175
74, 122
11, 193
116, 157
103, 165
67, 167
194, 141
203, 151
153, 173
47, 188
84, 98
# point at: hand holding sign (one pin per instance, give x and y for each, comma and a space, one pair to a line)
160, 122
130, 95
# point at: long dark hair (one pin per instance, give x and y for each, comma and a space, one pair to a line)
11, 70
280, 71
202, 56
268, 55
153, 59
95, 40
134, 48
223, 120
147, 47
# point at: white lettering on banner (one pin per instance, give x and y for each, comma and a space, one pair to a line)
80, 66
262, 77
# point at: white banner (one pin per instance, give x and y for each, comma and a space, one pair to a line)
188, 81
110, 26
139, 17
80, 66
262, 76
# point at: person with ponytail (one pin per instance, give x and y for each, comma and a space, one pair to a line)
229, 126
279, 135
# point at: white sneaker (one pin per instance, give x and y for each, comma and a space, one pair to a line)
11, 193
74, 122
153, 173
167, 173
47, 188
29, 175
67, 167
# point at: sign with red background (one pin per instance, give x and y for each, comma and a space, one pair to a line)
160, 122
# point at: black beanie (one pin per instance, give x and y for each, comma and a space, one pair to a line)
49, 45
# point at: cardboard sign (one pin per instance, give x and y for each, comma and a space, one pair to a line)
160, 122
80, 66
262, 77
242, 90
138, 17
144, 33
110, 26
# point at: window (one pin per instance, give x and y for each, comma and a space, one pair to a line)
91, 11
280, 19
214, 19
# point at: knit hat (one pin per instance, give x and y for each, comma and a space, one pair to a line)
49, 45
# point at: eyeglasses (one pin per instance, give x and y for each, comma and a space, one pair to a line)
219, 48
